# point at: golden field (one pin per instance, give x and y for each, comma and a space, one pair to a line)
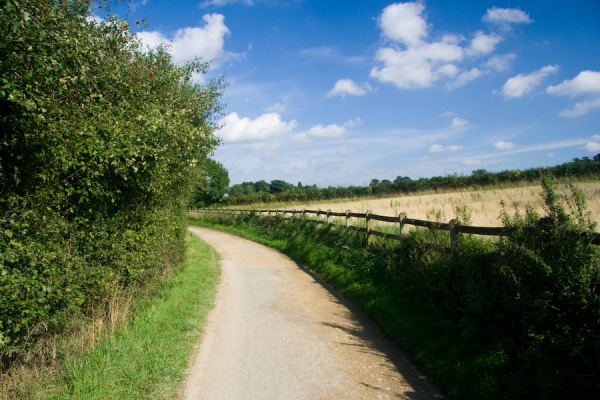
484, 204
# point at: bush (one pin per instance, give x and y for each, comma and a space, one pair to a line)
99, 145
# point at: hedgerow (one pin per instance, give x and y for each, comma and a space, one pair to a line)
100, 142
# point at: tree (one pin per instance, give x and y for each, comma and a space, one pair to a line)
213, 184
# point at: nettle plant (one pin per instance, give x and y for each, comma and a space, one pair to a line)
100, 142
554, 272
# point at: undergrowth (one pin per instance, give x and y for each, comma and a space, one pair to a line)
515, 318
138, 348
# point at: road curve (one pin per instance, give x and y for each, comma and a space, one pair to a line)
278, 332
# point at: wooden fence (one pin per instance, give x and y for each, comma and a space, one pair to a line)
453, 227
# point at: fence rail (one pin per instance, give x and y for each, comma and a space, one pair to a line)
453, 227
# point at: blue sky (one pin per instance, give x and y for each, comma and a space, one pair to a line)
341, 92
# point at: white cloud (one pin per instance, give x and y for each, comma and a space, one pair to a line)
500, 63
459, 122
436, 148
483, 44
506, 16
585, 84
501, 145
236, 129
465, 77
345, 87
592, 147
456, 122
471, 162
419, 66
402, 22
415, 60
331, 131
522, 84
202, 41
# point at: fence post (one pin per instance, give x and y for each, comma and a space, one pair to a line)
304, 213
454, 233
329, 216
401, 218
318, 215
348, 218
370, 237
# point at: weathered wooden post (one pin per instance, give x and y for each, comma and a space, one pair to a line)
348, 218
329, 216
318, 214
454, 226
370, 237
401, 218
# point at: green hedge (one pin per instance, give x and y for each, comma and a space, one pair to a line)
99, 146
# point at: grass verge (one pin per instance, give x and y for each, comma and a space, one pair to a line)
146, 356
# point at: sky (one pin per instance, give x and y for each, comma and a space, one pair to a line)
337, 93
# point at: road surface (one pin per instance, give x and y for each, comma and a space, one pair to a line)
279, 332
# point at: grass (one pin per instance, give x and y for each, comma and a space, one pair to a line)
144, 357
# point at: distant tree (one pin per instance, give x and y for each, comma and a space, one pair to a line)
262, 187
236, 190
212, 185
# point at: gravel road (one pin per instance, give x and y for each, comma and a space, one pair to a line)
279, 332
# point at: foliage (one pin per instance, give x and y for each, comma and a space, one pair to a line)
99, 142
211, 186
517, 318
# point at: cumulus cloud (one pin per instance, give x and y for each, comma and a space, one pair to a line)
345, 87
483, 44
414, 60
501, 145
326, 132
592, 147
522, 84
236, 129
585, 84
506, 16
402, 22
205, 41
436, 148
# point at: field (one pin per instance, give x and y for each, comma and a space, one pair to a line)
484, 204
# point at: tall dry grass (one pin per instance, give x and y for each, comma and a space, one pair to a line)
484, 204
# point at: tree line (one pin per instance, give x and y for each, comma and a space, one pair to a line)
281, 191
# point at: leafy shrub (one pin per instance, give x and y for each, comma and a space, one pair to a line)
99, 146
